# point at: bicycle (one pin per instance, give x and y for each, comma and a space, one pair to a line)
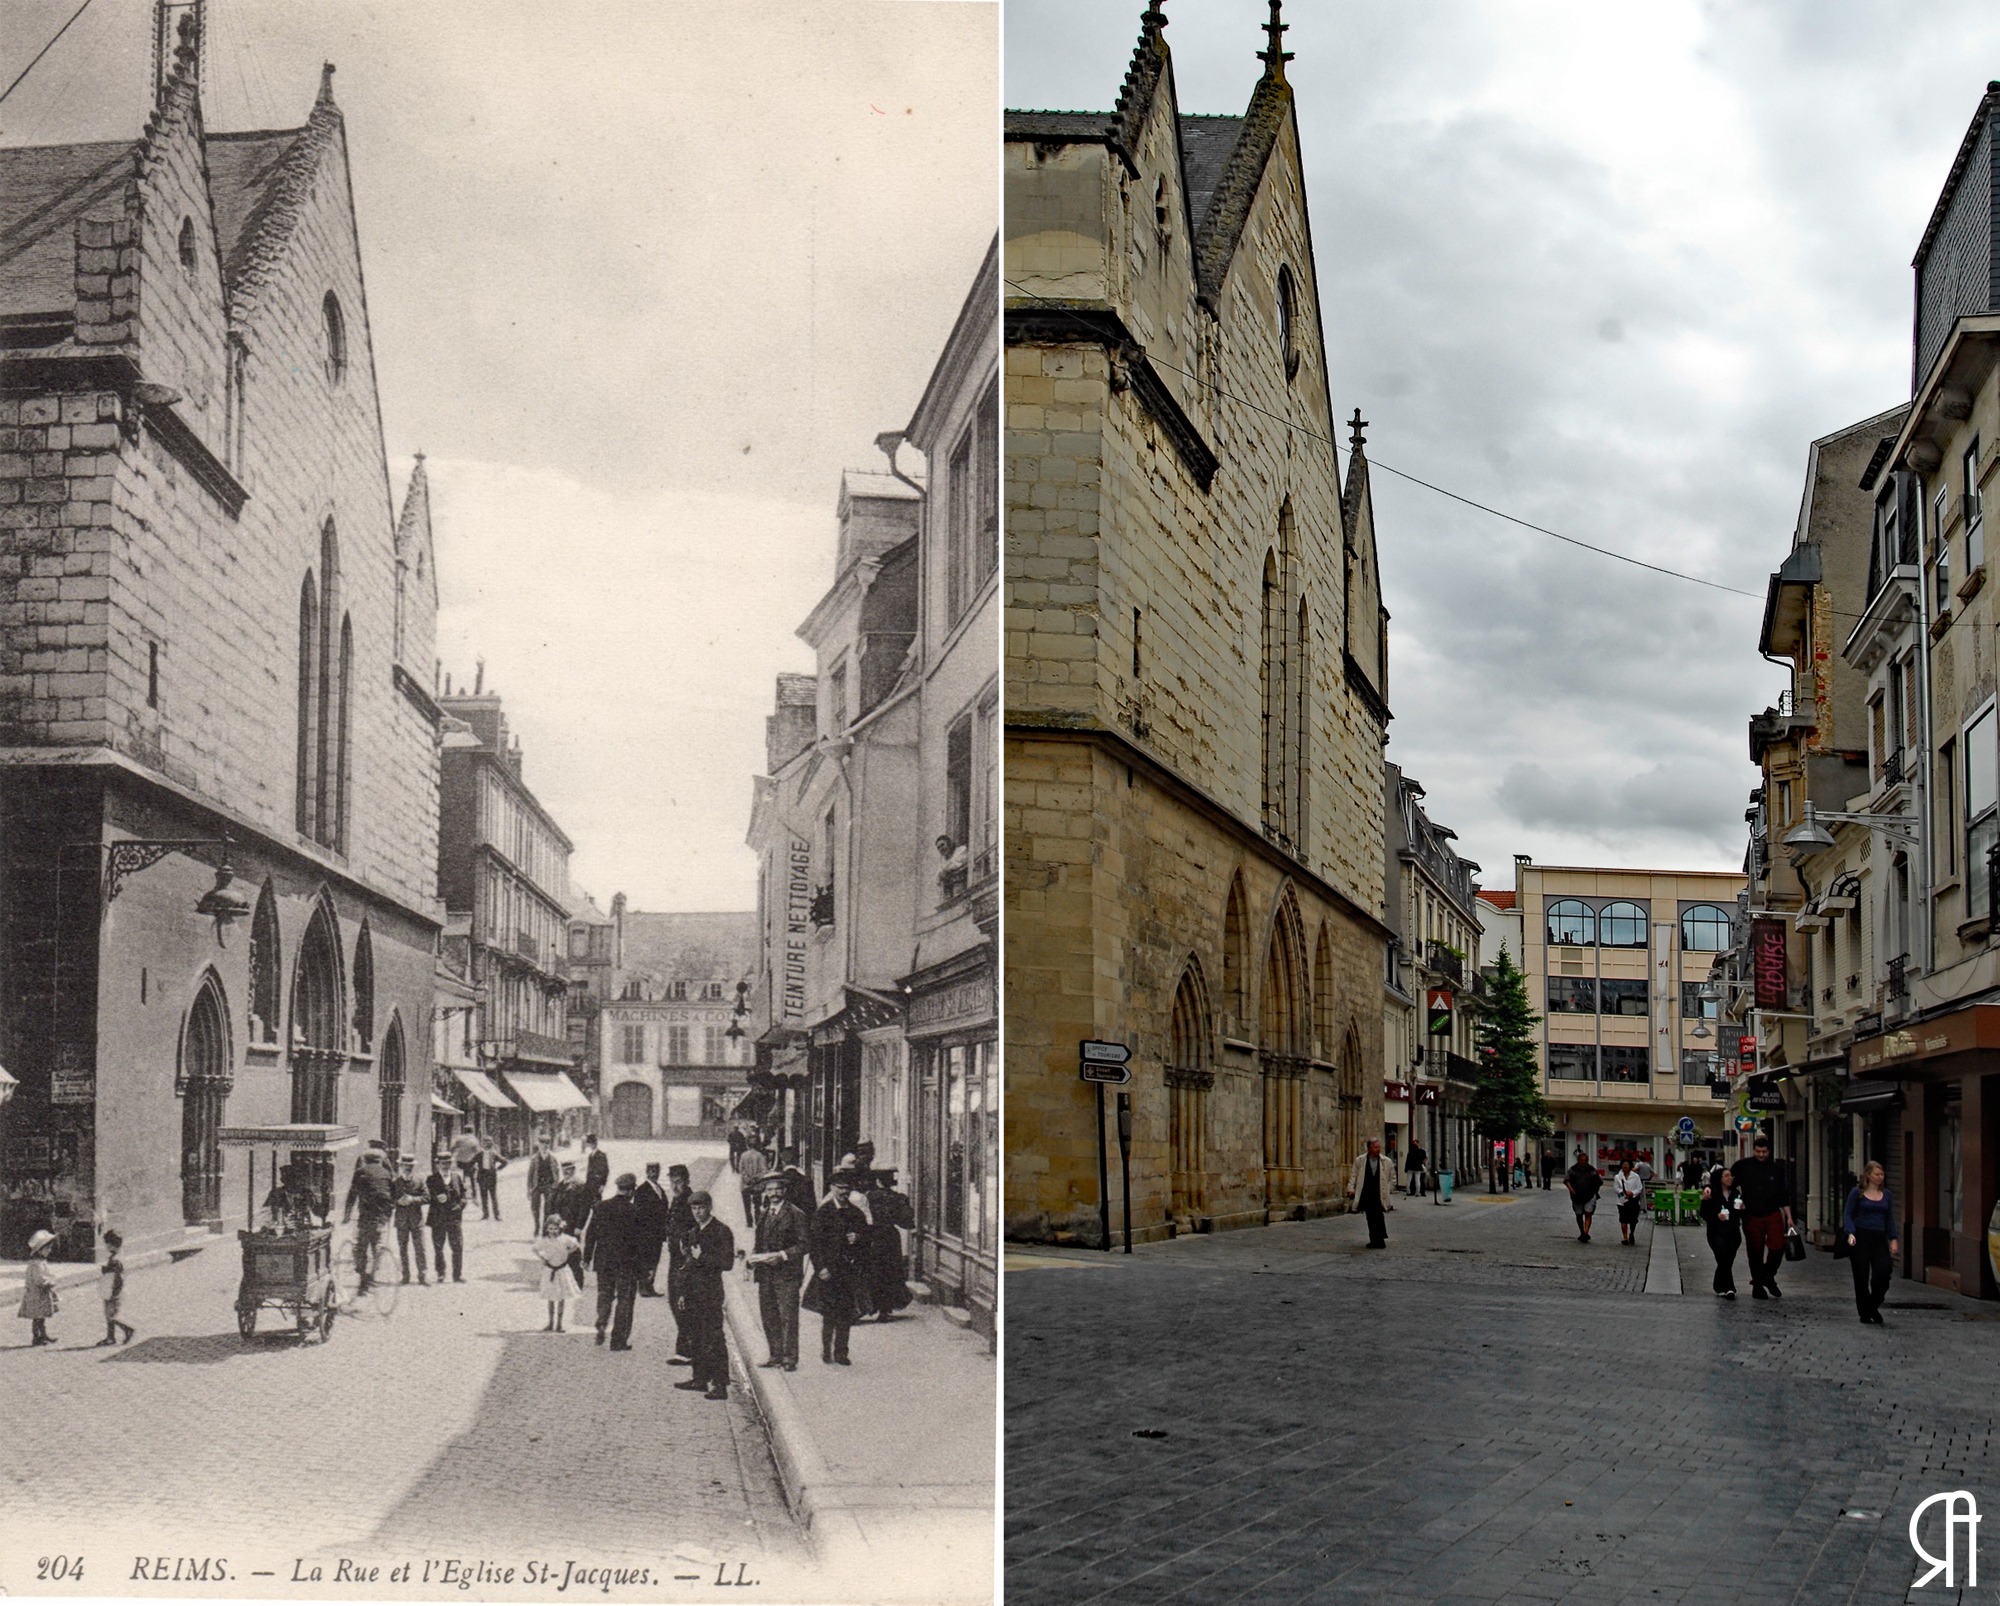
384, 1280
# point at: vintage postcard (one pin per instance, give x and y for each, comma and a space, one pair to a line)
499, 799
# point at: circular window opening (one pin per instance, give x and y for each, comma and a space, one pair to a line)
336, 340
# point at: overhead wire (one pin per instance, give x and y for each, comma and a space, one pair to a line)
23, 73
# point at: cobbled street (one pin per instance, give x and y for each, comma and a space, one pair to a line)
1487, 1412
453, 1429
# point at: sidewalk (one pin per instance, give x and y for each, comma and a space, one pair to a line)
888, 1464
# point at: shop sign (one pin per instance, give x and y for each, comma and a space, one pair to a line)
1437, 1006
1746, 1123
969, 1000
1767, 962
1428, 1093
1396, 1090
798, 926
1769, 1100
1747, 1054
1977, 1027
74, 1079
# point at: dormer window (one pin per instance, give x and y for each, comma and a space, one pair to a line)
336, 340
186, 245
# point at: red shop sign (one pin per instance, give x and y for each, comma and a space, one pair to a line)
1767, 962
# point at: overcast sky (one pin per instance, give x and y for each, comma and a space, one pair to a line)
1609, 268
643, 276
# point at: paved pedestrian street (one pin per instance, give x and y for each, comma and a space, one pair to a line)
454, 1430
1487, 1411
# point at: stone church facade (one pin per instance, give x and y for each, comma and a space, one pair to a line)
1196, 674
218, 766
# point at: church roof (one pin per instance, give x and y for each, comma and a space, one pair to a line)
44, 190
241, 168
1205, 146
690, 947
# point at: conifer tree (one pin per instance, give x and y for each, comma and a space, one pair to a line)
1508, 1102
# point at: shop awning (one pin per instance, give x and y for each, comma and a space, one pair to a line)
441, 1107
1868, 1097
533, 1048
754, 1105
481, 1087
546, 1093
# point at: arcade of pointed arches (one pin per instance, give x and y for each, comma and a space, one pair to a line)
1294, 1030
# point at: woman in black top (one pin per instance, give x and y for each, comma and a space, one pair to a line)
1722, 1211
1870, 1224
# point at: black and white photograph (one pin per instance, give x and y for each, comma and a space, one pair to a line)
1502, 909
499, 799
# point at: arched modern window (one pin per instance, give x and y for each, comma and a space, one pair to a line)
1572, 924
336, 339
1621, 925
204, 1083
266, 963
1704, 929
364, 990
390, 1075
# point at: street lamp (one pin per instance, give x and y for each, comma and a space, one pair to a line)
1810, 835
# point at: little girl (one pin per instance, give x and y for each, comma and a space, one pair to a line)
111, 1284
38, 1292
554, 1249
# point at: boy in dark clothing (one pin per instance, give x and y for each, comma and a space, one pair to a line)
112, 1285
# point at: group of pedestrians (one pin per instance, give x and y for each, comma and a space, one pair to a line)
380, 1196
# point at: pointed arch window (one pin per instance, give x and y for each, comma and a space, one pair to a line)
364, 991
319, 1022
336, 339
325, 719
265, 968
1322, 994
203, 1085
1189, 1078
1271, 660
308, 743
1301, 756
391, 1075
1236, 954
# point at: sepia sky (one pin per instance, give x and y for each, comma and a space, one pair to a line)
643, 276
1610, 269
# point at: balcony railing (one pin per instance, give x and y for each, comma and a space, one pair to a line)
1445, 963
1892, 766
822, 905
1899, 978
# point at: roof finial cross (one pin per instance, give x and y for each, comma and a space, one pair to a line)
1274, 55
1153, 18
1355, 426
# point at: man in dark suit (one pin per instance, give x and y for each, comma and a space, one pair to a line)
798, 1187
1366, 1187
711, 1251
615, 1246
650, 1198
679, 1223
445, 1189
543, 1178
574, 1201
778, 1262
838, 1238
597, 1166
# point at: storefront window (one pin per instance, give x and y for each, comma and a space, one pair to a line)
1948, 1171
975, 1142
954, 1140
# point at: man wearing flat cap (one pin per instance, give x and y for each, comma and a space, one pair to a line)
711, 1251
838, 1240
616, 1246
679, 1223
778, 1262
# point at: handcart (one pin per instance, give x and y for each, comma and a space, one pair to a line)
287, 1266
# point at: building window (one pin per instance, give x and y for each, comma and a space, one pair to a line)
1572, 1062
836, 699
1941, 557
185, 245
1625, 1064
986, 491
714, 1046
390, 1080
632, 1045
1572, 995
1982, 792
264, 968
677, 1045
1572, 924
711, 991
1704, 929
1622, 997
364, 991
152, 674
1975, 525
1288, 315
1947, 798
1621, 925
1696, 1007
336, 339
1699, 1067
1272, 690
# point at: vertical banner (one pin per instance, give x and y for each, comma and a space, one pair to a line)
1767, 962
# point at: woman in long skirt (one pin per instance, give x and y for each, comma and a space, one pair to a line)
1722, 1211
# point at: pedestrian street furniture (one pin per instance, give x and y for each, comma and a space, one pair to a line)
290, 1272
287, 1270
1442, 1194
1674, 1207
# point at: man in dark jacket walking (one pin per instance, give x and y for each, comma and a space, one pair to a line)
616, 1247
711, 1251
372, 1192
410, 1197
1584, 1185
596, 1165
575, 1203
444, 1188
838, 1239
679, 1224
1767, 1216
543, 1176
778, 1262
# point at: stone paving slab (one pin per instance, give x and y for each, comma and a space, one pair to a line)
1486, 1411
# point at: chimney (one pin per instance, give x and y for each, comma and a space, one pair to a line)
618, 932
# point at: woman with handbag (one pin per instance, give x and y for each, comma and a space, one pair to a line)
1722, 1213
1868, 1227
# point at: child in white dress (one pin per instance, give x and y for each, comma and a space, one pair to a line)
553, 1249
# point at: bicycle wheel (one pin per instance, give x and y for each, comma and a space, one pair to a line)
388, 1281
